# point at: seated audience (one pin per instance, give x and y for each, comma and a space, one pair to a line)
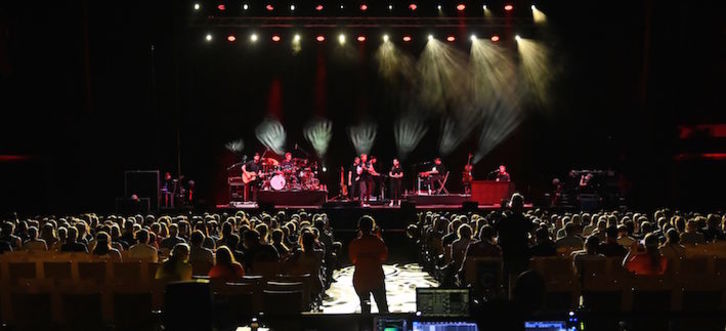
691, 236
142, 250
544, 245
226, 268
176, 267
72, 245
173, 239
611, 247
103, 248
672, 248
648, 262
199, 253
33, 244
571, 240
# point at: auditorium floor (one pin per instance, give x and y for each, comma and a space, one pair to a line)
401, 283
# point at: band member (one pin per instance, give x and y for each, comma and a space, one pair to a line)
503, 175
363, 179
466, 175
287, 164
168, 186
352, 183
253, 167
436, 174
375, 179
396, 175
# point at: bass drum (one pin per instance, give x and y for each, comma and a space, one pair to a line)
277, 182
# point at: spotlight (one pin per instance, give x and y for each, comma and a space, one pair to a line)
221, 7
325, 169
460, 7
341, 7
341, 39
390, 7
231, 38
319, 7
517, 38
269, 8
412, 6
473, 37
363, 7
245, 6
296, 38
495, 38
276, 38
431, 37
406, 38
320, 38
484, 7
508, 7
361, 38
450, 38
292, 7
253, 37
208, 37
385, 38
438, 7
197, 6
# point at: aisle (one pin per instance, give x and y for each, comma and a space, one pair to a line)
401, 283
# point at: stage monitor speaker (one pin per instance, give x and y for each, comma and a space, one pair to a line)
470, 206
143, 183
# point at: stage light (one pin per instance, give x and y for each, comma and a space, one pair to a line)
508, 7
197, 6
361, 38
231, 38
272, 135
341, 7
538, 16
473, 37
495, 38
363, 7
341, 39
319, 7
320, 38
325, 169
296, 38
221, 7
460, 7
245, 6
412, 6
431, 37
253, 37
208, 37
276, 38
385, 38
450, 38
406, 38
438, 7
390, 7
235, 146
319, 133
484, 7
517, 38
269, 8
292, 7
533, 7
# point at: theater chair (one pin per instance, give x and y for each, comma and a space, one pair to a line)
81, 306
562, 287
281, 303
92, 271
719, 270
234, 302
123, 273
603, 284
132, 308
201, 268
267, 270
30, 305
188, 306
309, 288
485, 276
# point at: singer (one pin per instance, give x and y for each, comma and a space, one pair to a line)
502, 174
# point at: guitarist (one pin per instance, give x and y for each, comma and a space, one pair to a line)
251, 173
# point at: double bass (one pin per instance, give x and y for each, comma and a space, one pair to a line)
466, 177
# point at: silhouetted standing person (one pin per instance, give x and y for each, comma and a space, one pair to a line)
513, 232
368, 252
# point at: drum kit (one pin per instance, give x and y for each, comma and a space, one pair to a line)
297, 175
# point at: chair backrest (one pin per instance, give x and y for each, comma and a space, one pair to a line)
484, 273
282, 302
265, 269
201, 268
57, 270
21, 270
126, 272
92, 270
307, 281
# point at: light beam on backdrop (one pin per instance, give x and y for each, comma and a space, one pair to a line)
363, 136
271, 134
408, 132
394, 64
538, 16
319, 132
235, 146
537, 70
442, 68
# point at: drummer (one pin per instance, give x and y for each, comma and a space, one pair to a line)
287, 165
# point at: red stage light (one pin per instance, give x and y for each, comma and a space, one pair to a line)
320, 38
221, 7
412, 6
361, 38
231, 38
319, 7
460, 7
363, 7
406, 38
495, 38
508, 7
275, 38
270, 7
450, 38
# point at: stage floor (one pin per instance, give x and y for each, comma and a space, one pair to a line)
401, 283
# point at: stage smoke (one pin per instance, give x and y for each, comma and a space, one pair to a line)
363, 136
235, 146
408, 132
272, 135
538, 16
319, 132
393, 64
537, 71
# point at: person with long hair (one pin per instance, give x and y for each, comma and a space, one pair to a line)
226, 267
176, 267
648, 262
672, 248
368, 252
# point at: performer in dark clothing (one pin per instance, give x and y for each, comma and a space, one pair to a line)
363, 179
503, 175
436, 174
253, 166
396, 176
352, 182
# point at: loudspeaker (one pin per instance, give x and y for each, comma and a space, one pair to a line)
470, 206
143, 183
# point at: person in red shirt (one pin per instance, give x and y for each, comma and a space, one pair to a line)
648, 263
226, 268
368, 252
